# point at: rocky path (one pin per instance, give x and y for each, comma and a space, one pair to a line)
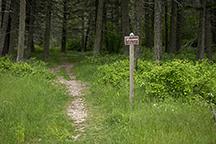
76, 110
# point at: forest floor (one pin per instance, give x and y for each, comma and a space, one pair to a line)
77, 108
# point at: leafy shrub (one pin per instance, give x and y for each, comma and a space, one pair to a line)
118, 71
21, 69
176, 79
114, 73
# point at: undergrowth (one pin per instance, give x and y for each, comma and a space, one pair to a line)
32, 105
31, 67
177, 78
171, 103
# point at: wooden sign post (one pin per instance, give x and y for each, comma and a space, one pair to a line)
131, 40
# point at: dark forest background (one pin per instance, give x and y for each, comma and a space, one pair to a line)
164, 26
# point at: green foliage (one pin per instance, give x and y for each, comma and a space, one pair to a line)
176, 79
165, 122
104, 59
74, 44
31, 105
188, 53
114, 73
22, 69
148, 54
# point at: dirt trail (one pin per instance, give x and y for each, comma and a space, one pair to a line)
76, 110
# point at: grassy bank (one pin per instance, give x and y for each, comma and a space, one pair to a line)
32, 107
151, 122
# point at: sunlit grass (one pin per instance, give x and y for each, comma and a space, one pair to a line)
150, 122
32, 110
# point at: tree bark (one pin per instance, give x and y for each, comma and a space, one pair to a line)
158, 30
125, 22
83, 42
30, 44
166, 26
149, 23
21, 38
179, 29
201, 53
99, 27
14, 27
64, 26
209, 35
0, 13
173, 24
5, 22
139, 13
7, 43
47, 29
213, 23
87, 33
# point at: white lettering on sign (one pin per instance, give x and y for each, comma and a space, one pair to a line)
131, 40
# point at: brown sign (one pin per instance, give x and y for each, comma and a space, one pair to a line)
131, 40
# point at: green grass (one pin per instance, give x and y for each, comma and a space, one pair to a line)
170, 122
56, 57
32, 110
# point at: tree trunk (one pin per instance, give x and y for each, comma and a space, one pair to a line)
5, 22
213, 23
125, 22
202, 37
173, 24
14, 26
117, 12
158, 30
99, 27
64, 26
0, 13
85, 25
209, 35
47, 29
138, 13
7, 43
179, 29
21, 38
149, 23
83, 43
30, 44
87, 33
96, 13
166, 26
